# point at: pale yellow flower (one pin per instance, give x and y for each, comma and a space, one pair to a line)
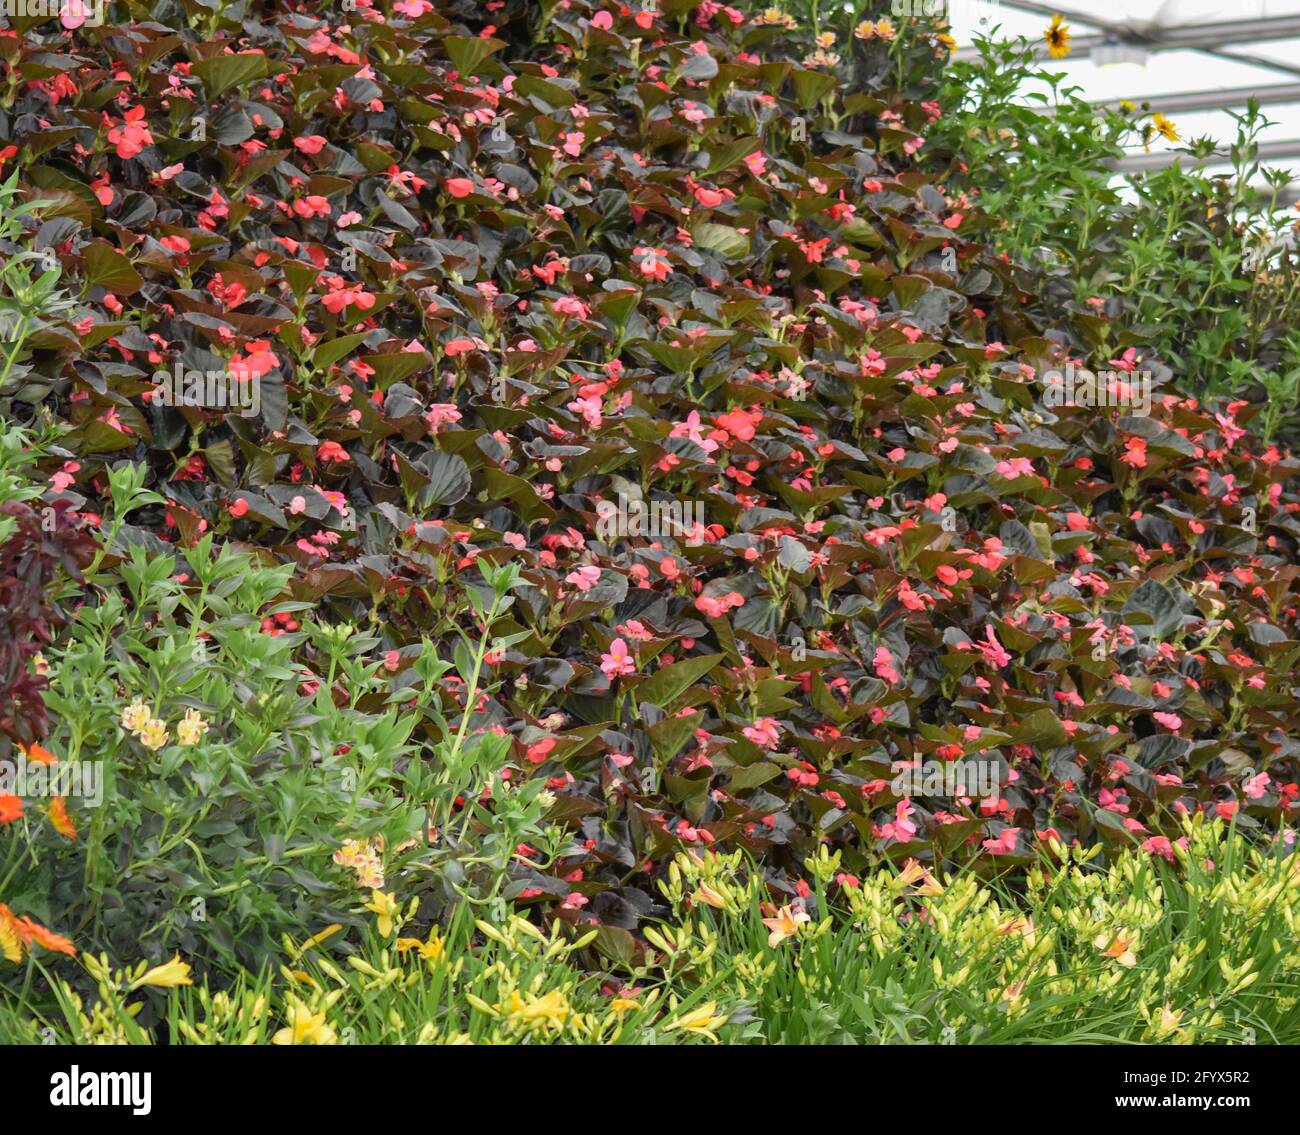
154, 735
865, 30
370, 873
1169, 1021
191, 728
136, 716
885, 29
709, 897
350, 850
920, 879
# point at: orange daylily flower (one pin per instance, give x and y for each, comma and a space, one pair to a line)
784, 924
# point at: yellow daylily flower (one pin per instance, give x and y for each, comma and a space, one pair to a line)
551, 1009
166, 976
385, 906
305, 1027
703, 1021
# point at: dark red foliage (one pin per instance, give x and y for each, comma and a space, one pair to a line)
42, 545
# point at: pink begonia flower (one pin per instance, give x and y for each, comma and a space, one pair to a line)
883, 662
1159, 845
900, 827
765, 732
994, 652
584, 578
1170, 721
1005, 844
618, 660
716, 606
1255, 786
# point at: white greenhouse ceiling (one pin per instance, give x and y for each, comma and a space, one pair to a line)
1192, 60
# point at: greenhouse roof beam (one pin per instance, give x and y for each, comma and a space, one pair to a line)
1190, 37
1141, 163
1214, 100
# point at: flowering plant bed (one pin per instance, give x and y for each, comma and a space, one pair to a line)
590, 437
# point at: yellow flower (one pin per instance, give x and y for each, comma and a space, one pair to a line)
154, 734
430, 951
947, 41
865, 30
702, 1021
1169, 1021
826, 40
709, 897
385, 906
778, 17
305, 1027
621, 1005
191, 728
1165, 127
884, 29
784, 924
136, 716
166, 976
551, 1009
1118, 947
918, 877
1128, 106
1058, 38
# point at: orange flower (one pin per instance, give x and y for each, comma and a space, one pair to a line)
17, 933
49, 939
38, 753
11, 807
784, 924
11, 941
60, 819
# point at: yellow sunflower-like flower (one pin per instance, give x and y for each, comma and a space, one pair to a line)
1165, 127
1057, 36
